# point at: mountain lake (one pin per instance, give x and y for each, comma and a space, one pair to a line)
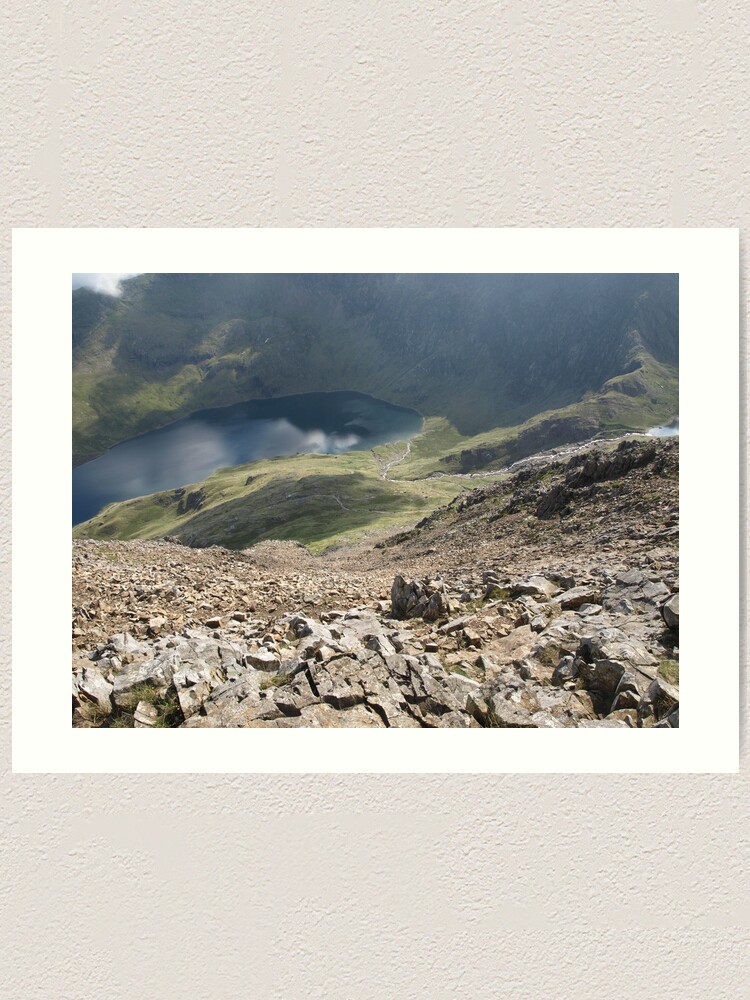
192, 448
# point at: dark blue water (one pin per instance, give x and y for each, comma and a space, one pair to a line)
191, 449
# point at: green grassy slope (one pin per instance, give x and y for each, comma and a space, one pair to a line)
633, 402
319, 500
501, 366
322, 500
481, 351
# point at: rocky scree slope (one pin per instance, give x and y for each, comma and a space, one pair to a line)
549, 600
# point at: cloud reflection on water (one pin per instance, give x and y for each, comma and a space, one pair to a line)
190, 450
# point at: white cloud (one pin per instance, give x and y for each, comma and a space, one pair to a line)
108, 284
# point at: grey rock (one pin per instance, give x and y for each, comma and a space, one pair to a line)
535, 586
262, 659
659, 701
93, 686
380, 644
543, 720
244, 689
538, 623
439, 698
531, 670
437, 607
455, 720
627, 694
655, 592
418, 599
323, 653
627, 715
124, 644
569, 708
431, 661
506, 715
589, 609
191, 699
614, 644
601, 679
461, 687
392, 710
572, 599
670, 612
671, 721
292, 698
566, 670
604, 724
337, 683
619, 606
455, 625
156, 673
145, 716
326, 717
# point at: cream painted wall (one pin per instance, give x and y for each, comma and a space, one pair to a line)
322, 113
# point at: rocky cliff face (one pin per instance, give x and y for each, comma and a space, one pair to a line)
548, 600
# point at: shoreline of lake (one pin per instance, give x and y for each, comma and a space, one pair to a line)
195, 446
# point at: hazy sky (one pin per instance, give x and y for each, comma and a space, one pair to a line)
109, 284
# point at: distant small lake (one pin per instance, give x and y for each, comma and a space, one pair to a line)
666, 430
191, 449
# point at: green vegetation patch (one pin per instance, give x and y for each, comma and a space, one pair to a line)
318, 500
498, 373
669, 669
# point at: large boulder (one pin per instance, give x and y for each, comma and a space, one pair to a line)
262, 659
92, 686
506, 714
670, 612
146, 715
155, 674
418, 599
437, 606
571, 600
566, 670
534, 586
193, 684
601, 679
323, 716
568, 708
125, 645
660, 701
614, 644
615, 668
627, 695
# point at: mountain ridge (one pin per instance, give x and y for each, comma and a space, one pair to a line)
480, 351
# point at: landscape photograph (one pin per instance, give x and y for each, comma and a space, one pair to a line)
347, 500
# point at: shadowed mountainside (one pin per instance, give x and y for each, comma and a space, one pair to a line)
480, 351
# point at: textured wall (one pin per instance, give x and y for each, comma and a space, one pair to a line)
323, 113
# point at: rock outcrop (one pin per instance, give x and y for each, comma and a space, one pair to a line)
484, 615
419, 599
360, 667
